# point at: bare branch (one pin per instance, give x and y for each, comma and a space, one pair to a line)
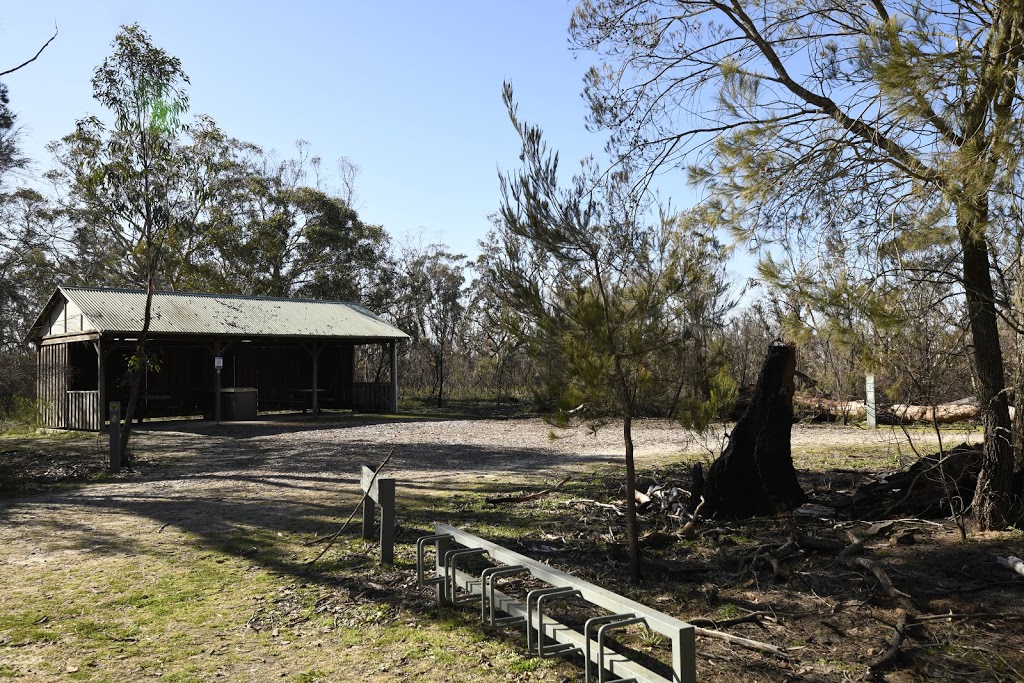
36, 56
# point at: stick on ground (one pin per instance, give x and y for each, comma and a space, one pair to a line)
893, 650
334, 537
1012, 563
527, 496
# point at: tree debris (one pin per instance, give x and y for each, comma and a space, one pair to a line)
893, 650
498, 500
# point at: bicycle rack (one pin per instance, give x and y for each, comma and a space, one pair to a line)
620, 611
449, 568
535, 596
558, 648
440, 542
596, 621
601, 631
487, 606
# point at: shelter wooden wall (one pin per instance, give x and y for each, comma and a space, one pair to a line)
52, 384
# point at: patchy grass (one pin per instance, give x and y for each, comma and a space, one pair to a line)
159, 602
35, 462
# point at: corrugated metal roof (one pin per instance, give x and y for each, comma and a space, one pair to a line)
122, 310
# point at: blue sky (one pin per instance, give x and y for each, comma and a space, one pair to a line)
409, 91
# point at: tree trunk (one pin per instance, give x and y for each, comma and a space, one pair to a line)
994, 495
137, 372
754, 475
632, 530
440, 377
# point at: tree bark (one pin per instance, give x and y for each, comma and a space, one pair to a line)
137, 373
754, 475
994, 494
632, 529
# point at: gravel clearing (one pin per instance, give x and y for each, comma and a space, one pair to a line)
204, 477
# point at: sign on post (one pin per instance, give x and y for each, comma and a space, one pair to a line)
115, 436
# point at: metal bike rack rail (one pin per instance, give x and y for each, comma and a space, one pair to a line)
568, 640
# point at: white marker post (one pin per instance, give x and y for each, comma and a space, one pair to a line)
869, 403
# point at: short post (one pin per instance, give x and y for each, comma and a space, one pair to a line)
869, 403
379, 492
218, 364
115, 436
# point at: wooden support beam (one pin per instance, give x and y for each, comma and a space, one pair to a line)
316, 377
101, 384
394, 377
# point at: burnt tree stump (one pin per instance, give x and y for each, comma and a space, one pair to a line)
754, 475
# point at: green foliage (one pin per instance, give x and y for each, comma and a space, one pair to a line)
610, 308
272, 231
19, 416
433, 309
722, 394
604, 301
884, 156
133, 190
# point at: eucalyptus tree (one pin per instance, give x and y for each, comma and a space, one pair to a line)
880, 127
132, 188
433, 308
275, 230
596, 288
10, 157
13, 242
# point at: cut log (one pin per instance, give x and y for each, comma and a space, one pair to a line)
964, 410
754, 475
825, 409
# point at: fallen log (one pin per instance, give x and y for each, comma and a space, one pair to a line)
964, 410
827, 409
1013, 563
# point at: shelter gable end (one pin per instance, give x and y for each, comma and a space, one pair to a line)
67, 318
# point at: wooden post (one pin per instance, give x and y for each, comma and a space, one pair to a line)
394, 377
115, 436
316, 377
382, 492
101, 384
218, 364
